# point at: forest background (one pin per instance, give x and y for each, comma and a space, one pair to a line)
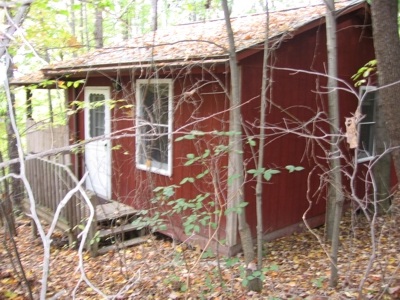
57, 30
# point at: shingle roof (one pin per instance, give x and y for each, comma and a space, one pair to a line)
196, 42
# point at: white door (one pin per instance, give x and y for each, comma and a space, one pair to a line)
98, 151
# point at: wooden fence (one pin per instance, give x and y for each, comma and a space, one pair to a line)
50, 183
44, 137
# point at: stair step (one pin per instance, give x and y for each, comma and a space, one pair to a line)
122, 245
117, 230
114, 210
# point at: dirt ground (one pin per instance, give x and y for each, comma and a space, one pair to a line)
295, 267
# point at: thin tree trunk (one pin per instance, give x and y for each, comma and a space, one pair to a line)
17, 20
6, 207
84, 26
382, 167
17, 191
71, 18
98, 27
260, 163
236, 158
72, 22
49, 99
387, 51
335, 195
154, 14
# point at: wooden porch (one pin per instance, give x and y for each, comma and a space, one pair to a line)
112, 227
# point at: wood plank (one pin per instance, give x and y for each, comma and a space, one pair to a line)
118, 230
113, 210
122, 245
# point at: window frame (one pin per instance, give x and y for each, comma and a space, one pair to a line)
153, 165
362, 94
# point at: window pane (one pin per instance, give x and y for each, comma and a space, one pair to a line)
154, 150
367, 125
153, 145
366, 138
97, 115
368, 108
155, 103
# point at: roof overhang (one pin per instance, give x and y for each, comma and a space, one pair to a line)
111, 68
81, 70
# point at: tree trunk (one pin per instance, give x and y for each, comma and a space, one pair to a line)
17, 20
260, 158
17, 191
335, 195
382, 167
6, 207
387, 51
98, 27
13, 26
154, 15
71, 18
84, 26
235, 189
49, 98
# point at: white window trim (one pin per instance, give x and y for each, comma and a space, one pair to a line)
363, 91
155, 167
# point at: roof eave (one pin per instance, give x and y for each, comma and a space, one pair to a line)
134, 65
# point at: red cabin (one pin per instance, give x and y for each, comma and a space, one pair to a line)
158, 137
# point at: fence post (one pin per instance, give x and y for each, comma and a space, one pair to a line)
93, 241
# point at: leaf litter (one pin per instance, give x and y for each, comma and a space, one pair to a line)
296, 267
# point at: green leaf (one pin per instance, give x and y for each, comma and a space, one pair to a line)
274, 267
229, 262
256, 172
201, 175
185, 137
291, 168
77, 83
184, 288
169, 191
243, 204
206, 153
157, 189
251, 142
187, 179
245, 282
268, 174
232, 178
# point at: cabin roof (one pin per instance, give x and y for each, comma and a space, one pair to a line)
197, 43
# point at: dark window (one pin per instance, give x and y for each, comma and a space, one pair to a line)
367, 123
153, 120
97, 115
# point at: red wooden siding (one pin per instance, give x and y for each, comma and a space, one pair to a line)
301, 95
206, 106
200, 104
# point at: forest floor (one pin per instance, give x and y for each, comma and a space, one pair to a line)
296, 267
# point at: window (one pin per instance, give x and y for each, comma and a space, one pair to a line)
367, 124
97, 114
154, 125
